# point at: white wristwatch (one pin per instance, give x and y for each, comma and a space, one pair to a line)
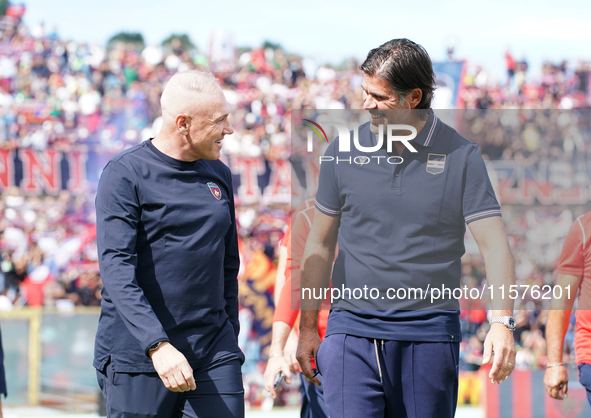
508, 321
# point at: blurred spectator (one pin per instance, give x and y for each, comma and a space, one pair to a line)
88, 289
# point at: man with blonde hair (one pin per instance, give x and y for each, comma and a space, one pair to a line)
166, 343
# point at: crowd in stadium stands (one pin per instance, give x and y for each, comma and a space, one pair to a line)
530, 136
65, 94
561, 85
546, 139
48, 251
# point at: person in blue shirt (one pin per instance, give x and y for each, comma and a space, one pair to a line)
399, 217
166, 342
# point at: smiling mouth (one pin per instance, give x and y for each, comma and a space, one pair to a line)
377, 116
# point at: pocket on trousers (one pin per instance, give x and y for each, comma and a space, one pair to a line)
317, 360
320, 354
455, 355
105, 375
330, 354
110, 374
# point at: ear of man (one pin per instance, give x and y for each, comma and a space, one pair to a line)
183, 124
414, 97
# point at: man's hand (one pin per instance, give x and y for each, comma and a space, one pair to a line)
274, 366
499, 341
307, 348
173, 368
556, 382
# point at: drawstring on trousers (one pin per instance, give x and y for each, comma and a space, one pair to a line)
375, 344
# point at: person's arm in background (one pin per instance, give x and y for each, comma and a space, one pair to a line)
277, 361
280, 276
316, 271
571, 266
288, 309
500, 271
556, 377
317, 260
290, 350
280, 343
117, 218
232, 264
284, 339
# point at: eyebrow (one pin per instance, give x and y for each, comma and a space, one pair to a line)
224, 116
377, 96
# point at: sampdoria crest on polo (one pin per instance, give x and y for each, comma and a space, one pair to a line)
362, 160
435, 163
215, 190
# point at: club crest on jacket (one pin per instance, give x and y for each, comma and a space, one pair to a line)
215, 190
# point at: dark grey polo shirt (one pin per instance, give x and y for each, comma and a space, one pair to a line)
402, 226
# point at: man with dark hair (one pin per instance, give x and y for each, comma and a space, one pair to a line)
166, 343
405, 66
400, 226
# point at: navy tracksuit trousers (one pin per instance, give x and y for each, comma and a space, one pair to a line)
219, 393
368, 378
